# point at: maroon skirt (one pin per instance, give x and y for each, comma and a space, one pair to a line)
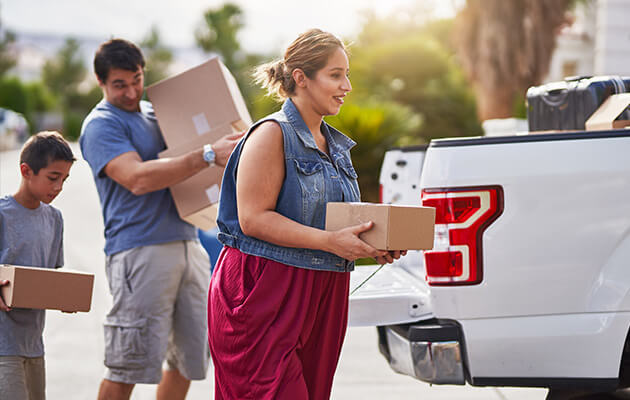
275, 331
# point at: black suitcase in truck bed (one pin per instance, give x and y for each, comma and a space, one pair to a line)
566, 105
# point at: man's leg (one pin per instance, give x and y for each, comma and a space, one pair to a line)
173, 386
35, 372
13, 378
143, 282
188, 355
111, 390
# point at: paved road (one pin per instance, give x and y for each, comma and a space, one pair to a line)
74, 343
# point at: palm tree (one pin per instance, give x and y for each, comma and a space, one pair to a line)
505, 46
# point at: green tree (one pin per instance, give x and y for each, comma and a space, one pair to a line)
158, 57
412, 64
218, 34
376, 126
64, 76
8, 58
29, 99
65, 71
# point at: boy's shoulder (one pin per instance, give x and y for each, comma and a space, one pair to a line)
8, 205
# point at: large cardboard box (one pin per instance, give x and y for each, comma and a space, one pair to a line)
197, 102
395, 227
194, 108
196, 198
46, 288
605, 117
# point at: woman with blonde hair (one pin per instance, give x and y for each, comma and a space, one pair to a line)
278, 302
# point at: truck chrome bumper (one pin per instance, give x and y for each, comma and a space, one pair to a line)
429, 351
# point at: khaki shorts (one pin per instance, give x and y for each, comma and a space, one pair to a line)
159, 312
22, 378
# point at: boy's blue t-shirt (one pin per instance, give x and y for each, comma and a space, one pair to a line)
29, 238
130, 220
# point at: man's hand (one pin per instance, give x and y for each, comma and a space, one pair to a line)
224, 146
3, 306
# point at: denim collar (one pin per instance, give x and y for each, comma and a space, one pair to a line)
337, 141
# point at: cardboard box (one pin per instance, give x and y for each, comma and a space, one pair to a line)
46, 288
605, 117
196, 198
395, 227
198, 101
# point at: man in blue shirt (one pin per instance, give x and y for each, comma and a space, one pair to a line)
157, 271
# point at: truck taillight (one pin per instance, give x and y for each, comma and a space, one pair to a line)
461, 217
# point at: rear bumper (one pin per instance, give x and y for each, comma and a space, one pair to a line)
430, 351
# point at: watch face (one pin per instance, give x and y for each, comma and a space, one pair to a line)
208, 154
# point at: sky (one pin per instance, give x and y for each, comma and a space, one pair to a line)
270, 25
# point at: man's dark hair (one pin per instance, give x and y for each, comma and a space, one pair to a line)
117, 53
44, 148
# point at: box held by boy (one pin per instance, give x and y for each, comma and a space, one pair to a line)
395, 227
198, 101
46, 288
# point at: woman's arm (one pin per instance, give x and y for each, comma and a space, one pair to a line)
259, 178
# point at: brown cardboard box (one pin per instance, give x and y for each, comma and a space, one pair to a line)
395, 227
605, 116
46, 288
196, 197
198, 101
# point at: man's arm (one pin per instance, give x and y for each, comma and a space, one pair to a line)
3, 305
141, 177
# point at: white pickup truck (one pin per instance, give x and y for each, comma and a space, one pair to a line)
528, 283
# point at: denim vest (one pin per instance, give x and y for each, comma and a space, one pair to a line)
312, 179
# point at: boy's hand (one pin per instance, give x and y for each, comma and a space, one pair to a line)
3, 306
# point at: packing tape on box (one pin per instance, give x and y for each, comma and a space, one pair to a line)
201, 123
213, 193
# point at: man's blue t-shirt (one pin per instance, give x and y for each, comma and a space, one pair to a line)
130, 220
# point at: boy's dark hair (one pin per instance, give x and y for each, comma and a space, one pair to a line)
43, 148
117, 53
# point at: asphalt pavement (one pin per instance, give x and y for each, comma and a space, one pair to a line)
74, 342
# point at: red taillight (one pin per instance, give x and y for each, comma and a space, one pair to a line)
461, 217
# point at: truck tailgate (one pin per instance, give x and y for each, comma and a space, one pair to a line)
391, 296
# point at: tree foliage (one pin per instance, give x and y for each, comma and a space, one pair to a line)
412, 65
65, 71
158, 57
219, 32
8, 58
376, 127
64, 76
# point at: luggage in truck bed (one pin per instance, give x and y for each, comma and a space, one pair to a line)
566, 105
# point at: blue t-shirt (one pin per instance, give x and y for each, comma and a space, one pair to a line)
130, 220
31, 238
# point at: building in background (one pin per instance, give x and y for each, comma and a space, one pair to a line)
598, 42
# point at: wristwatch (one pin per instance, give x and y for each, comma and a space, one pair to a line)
208, 154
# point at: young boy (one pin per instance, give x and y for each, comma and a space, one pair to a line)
31, 235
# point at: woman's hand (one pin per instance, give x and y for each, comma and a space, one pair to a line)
346, 243
390, 256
